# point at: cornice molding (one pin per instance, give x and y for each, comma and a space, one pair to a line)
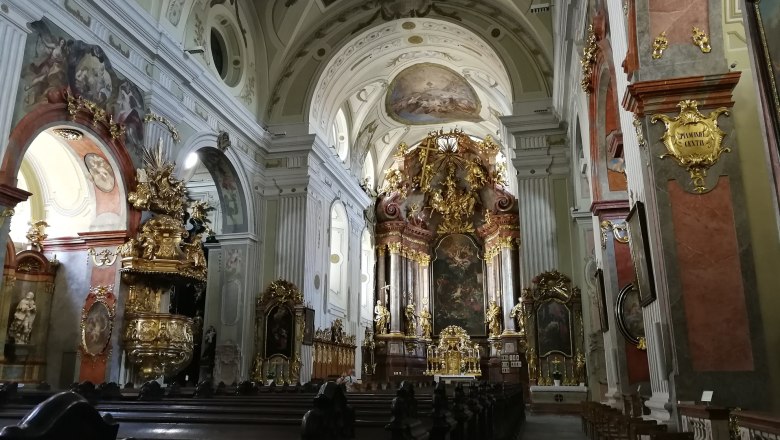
10, 196
663, 95
610, 209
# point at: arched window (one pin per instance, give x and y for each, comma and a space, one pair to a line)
339, 245
366, 275
341, 135
368, 171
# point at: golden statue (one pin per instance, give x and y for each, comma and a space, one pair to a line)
411, 320
199, 211
493, 319
381, 318
194, 253
579, 367
517, 314
24, 316
36, 234
257, 368
128, 249
425, 324
295, 369
530, 357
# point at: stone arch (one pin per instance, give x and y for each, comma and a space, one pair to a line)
223, 169
54, 113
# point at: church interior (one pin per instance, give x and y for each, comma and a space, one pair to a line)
411, 219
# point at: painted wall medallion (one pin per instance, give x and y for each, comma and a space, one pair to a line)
100, 172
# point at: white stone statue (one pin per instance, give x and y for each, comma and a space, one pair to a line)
24, 316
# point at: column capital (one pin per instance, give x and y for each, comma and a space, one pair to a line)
534, 124
541, 162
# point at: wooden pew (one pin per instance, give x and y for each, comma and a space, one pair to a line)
279, 414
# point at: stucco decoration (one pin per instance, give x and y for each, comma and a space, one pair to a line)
429, 93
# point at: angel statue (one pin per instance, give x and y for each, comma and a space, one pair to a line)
493, 319
381, 318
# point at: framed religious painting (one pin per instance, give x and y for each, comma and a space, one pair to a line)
279, 331
628, 314
97, 321
553, 329
763, 27
640, 253
602, 300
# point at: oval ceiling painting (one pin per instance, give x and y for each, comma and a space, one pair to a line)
430, 94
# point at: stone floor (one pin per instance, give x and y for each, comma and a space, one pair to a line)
551, 427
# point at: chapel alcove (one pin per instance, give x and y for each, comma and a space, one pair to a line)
26, 300
447, 254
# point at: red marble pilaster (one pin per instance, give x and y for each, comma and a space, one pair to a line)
711, 276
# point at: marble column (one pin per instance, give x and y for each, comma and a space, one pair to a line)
698, 301
683, 240
509, 277
541, 159
396, 300
381, 260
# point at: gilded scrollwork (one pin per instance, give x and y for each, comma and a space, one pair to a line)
588, 60
660, 44
149, 117
99, 114
281, 291
701, 40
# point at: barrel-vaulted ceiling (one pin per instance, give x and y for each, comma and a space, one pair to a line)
346, 55
312, 58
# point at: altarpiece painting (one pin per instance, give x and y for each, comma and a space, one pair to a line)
458, 293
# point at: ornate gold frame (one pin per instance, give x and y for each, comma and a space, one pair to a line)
279, 293
102, 295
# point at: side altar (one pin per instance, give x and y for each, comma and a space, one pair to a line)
552, 316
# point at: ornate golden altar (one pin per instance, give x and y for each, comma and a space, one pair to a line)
455, 355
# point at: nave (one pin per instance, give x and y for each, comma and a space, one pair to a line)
551, 427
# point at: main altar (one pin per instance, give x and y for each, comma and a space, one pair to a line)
447, 236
